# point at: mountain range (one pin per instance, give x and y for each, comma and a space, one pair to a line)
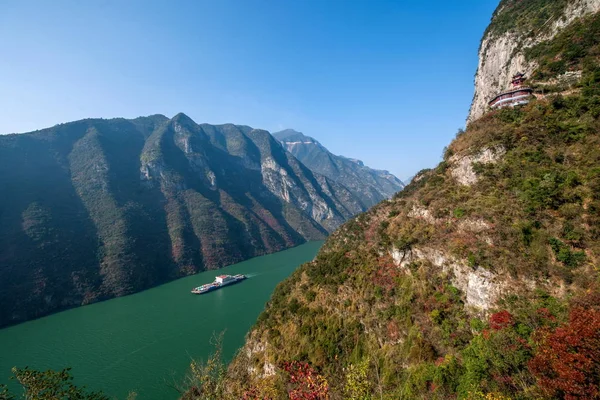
96, 208
370, 185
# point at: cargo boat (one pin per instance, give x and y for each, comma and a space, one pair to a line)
220, 281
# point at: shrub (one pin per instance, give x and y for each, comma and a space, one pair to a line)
50, 385
567, 362
501, 320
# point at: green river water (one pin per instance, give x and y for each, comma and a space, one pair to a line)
145, 341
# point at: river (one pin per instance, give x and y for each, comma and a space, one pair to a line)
144, 342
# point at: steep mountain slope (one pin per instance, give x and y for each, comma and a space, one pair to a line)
370, 185
100, 208
516, 27
478, 281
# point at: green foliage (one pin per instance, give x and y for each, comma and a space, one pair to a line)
49, 385
357, 385
551, 190
458, 212
565, 255
206, 380
329, 268
5, 394
573, 48
310, 295
476, 324
526, 17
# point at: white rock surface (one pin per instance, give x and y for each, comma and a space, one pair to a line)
462, 166
422, 213
482, 287
502, 57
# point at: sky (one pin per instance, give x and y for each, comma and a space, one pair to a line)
387, 82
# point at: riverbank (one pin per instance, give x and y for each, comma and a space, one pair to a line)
144, 342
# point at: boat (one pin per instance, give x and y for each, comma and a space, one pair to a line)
220, 281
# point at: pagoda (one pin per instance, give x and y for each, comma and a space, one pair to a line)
518, 94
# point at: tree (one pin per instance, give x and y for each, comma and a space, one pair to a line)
304, 382
50, 385
206, 379
501, 320
357, 385
567, 361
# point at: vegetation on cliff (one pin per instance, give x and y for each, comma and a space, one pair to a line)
103, 208
369, 185
574, 49
526, 18
478, 281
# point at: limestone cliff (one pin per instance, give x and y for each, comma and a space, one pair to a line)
515, 27
369, 185
450, 288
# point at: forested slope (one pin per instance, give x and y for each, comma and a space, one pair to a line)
97, 208
478, 281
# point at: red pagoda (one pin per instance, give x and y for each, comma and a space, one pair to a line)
518, 94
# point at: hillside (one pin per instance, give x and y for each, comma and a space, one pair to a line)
517, 27
366, 183
103, 208
480, 279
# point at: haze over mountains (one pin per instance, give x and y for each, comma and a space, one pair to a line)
366, 183
103, 208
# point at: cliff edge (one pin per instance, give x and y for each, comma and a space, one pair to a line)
518, 25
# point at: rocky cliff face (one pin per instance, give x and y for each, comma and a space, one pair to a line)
450, 288
100, 208
515, 27
369, 185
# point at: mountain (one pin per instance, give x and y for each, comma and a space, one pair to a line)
506, 48
480, 280
370, 185
95, 209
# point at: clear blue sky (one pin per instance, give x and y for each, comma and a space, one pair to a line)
388, 82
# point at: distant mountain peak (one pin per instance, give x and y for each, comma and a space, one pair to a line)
370, 185
182, 118
293, 136
189, 196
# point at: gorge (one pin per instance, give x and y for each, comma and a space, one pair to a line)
104, 208
477, 281
480, 279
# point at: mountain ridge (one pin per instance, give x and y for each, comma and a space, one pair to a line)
106, 207
480, 279
369, 184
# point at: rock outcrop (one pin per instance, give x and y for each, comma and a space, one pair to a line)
369, 185
502, 51
440, 291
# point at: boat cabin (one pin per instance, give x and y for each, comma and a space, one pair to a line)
224, 278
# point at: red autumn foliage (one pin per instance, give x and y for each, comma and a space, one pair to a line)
393, 330
386, 273
305, 382
501, 320
546, 314
432, 387
567, 362
252, 394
